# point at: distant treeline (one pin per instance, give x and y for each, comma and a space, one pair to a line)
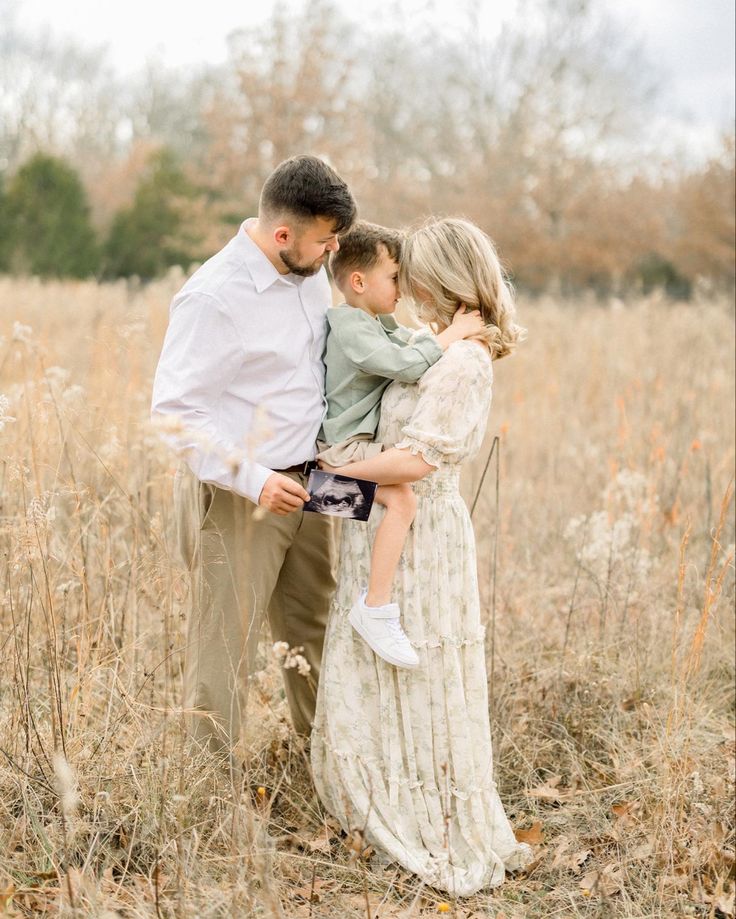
536, 135
46, 227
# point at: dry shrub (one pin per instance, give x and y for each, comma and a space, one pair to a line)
610, 634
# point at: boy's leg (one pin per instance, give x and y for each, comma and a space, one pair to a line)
401, 505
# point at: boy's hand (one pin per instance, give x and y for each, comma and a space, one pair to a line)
465, 324
282, 495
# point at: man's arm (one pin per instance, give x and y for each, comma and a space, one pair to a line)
201, 354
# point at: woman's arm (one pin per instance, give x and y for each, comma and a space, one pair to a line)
392, 467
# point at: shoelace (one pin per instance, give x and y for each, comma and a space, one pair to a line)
394, 626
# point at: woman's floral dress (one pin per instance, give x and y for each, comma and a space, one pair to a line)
405, 755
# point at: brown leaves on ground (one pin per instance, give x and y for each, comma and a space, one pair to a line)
567, 857
551, 792
604, 883
534, 836
314, 892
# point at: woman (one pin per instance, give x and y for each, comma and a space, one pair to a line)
403, 755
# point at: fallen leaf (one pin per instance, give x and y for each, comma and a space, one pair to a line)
643, 850
533, 836
548, 791
625, 808
6, 895
625, 813
321, 841
312, 893
605, 883
563, 844
571, 861
577, 859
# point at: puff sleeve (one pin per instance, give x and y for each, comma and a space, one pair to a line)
451, 413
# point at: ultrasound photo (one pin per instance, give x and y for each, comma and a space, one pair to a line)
339, 495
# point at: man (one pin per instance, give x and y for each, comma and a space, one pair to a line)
241, 375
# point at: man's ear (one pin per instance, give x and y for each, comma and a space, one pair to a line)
282, 235
357, 281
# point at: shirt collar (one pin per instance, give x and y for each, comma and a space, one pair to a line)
261, 269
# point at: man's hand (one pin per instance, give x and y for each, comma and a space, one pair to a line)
282, 495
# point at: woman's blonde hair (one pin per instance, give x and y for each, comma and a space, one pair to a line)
451, 261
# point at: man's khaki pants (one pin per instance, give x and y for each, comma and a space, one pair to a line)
245, 565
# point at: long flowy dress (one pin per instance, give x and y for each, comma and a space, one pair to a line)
405, 755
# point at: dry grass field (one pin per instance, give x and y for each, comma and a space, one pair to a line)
610, 649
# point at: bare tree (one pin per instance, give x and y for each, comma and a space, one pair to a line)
56, 96
290, 91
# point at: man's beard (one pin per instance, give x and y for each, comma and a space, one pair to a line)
289, 258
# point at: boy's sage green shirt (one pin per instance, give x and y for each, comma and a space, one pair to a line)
364, 354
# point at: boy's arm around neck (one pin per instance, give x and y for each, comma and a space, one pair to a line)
365, 344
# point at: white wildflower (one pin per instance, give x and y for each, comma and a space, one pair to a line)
156, 525
235, 458
22, 333
302, 665
292, 658
132, 329
40, 510
606, 544
74, 394
112, 447
36, 512
57, 375
66, 784
629, 490
4, 417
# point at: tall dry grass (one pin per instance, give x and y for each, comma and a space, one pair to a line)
611, 649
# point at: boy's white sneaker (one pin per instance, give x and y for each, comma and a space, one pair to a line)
380, 626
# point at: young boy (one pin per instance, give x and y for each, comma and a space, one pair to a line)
366, 350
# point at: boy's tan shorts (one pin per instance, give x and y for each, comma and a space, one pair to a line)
352, 450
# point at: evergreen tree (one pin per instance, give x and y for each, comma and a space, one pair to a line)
154, 233
47, 223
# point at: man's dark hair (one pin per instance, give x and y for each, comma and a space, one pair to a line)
305, 187
360, 249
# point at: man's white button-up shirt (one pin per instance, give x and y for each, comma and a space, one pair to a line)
241, 370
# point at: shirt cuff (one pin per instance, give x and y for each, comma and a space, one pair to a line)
425, 342
250, 480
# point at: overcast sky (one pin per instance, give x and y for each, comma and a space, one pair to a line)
690, 42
